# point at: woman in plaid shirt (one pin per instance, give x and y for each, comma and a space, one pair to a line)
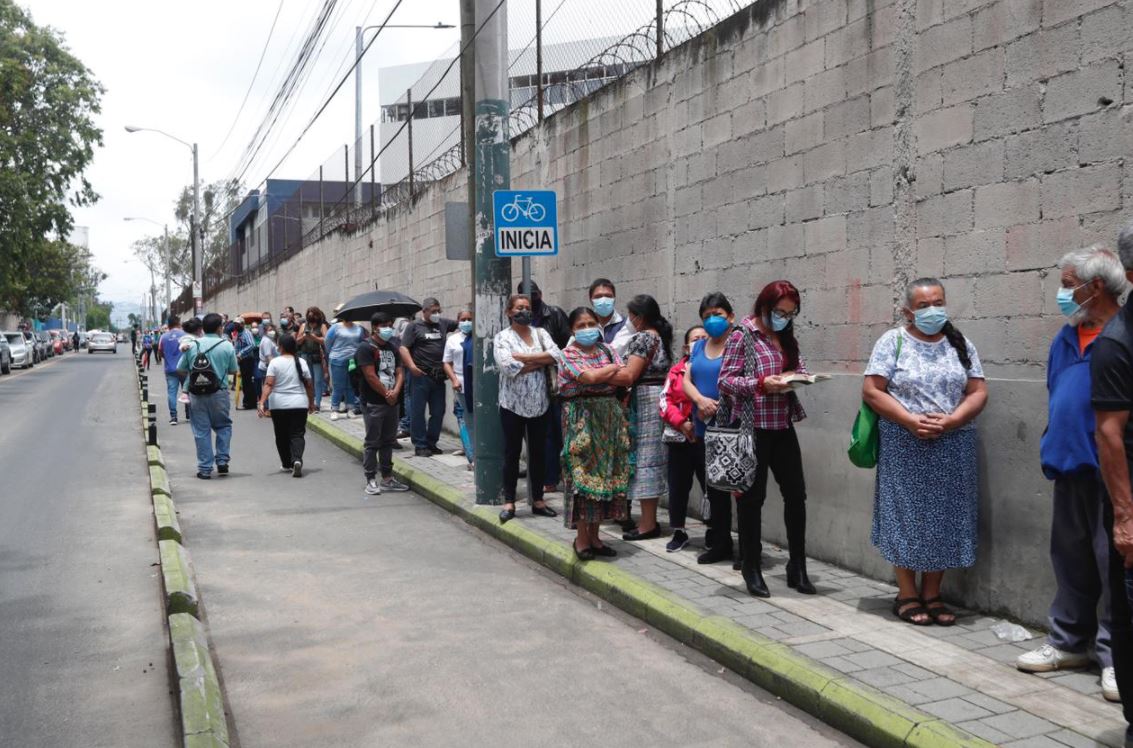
776, 409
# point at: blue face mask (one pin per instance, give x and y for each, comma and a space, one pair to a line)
930, 320
588, 336
716, 325
466, 326
604, 305
779, 322
1066, 303
385, 333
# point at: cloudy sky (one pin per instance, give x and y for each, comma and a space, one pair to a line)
185, 67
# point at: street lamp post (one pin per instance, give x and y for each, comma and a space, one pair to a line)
359, 31
197, 232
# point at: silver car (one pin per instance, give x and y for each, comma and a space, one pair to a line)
102, 341
5, 356
23, 355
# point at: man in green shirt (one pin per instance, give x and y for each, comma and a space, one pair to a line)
211, 413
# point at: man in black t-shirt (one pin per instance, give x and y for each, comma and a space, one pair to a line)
1111, 374
422, 347
380, 379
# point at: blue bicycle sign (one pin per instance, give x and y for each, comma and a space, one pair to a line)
526, 223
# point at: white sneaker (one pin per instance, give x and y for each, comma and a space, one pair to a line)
1109, 685
334, 416
1048, 658
373, 488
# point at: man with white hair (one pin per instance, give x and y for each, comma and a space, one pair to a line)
1092, 283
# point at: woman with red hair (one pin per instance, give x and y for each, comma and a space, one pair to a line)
770, 332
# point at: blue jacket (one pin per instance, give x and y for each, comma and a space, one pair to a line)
1067, 445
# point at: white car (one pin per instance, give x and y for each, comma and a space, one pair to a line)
23, 354
102, 341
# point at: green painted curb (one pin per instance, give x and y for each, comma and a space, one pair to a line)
202, 706
165, 515
153, 456
159, 480
180, 590
206, 740
860, 711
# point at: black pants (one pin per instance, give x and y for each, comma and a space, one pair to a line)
777, 451
516, 428
248, 384
381, 434
1121, 627
290, 426
686, 461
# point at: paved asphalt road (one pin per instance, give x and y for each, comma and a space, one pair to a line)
83, 655
341, 621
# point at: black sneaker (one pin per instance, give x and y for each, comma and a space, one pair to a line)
403, 434
222, 469
396, 445
435, 450
422, 452
204, 476
677, 542
173, 421
297, 469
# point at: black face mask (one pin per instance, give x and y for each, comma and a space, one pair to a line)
522, 317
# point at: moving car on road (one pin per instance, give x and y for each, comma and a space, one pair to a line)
102, 341
23, 351
5, 356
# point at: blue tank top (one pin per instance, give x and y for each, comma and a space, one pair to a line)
705, 375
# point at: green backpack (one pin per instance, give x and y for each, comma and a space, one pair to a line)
864, 436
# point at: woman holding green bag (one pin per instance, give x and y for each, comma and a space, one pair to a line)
926, 384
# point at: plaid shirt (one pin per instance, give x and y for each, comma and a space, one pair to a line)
773, 412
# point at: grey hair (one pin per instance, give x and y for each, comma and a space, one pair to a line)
1125, 245
1097, 262
920, 283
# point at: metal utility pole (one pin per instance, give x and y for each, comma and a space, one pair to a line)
198, 238
168, 270
491, 170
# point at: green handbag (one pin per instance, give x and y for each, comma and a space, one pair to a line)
864, 436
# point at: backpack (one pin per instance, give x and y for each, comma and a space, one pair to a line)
202, 377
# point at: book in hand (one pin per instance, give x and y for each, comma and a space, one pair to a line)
795, 381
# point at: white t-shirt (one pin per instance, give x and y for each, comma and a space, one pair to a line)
454, 354
287, 392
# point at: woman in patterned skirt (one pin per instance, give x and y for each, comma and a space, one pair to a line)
926, 383
595, 456
648, 358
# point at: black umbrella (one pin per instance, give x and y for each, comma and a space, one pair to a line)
363, 306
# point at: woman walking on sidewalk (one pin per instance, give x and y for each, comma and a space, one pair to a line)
769, 331
342, 342
288, 397
596, 453
926, 384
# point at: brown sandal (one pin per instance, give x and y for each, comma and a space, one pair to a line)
910, 613
937, 610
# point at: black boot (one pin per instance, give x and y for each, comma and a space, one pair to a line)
753, 578
797, 578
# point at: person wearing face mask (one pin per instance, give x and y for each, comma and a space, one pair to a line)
616, 329
341, 342
457, 360
926, 384
247, 356
422, 348
311, 340
1092, 282
380, 378
524, 355
596, 443
680, 439
267, 351
774, 409
701, 386
554, 320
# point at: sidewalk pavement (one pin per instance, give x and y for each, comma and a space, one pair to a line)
963, 675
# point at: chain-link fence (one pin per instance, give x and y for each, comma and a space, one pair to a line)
418, 138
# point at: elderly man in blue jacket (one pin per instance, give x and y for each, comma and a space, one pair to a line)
1092, 283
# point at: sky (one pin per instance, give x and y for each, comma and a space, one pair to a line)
185, 67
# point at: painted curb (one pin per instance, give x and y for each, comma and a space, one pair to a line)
165, 516
159, 480
153, 456
202, 706
862, 712
176, 573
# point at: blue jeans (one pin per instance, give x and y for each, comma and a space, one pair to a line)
173, 388
406, 405
211, 413
317, 379
427, 392
465, 425
341, 391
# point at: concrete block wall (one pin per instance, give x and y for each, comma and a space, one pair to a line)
850, 146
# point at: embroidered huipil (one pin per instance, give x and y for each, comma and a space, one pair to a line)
773, 411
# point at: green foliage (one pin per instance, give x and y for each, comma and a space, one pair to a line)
98, 316
48, 100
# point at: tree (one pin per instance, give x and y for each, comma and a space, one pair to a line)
134, 320
48, 100
98, 316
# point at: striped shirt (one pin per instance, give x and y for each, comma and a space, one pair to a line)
773, 412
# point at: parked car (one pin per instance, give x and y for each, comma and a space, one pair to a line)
123, 337
5, 356
35, 345
102, 341
46, 343
22, 350
59, 343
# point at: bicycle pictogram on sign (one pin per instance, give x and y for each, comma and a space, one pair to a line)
526, 223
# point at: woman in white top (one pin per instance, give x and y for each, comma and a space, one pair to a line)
524, 355
453, 361
288, 396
